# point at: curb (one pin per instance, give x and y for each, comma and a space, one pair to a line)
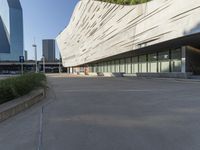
14, 107
166, 79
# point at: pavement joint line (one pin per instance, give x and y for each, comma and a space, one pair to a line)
51, 87
40, 137
197, 81
40, 130
129, 90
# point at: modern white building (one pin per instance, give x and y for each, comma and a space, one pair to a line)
161, 36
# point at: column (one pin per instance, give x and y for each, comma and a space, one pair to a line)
183, 59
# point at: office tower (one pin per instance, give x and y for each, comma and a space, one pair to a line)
49, 49
11, 30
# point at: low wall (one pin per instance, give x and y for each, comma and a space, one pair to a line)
92, 74
18, 105
161, 75
150, 75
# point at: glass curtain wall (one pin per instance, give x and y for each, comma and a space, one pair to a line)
99, 67
89, 68
109, 66
117, 66
163, 62
128, 65
152, 63
176, 60
105, 67
122, 65
143, 63
113, 66
135, 65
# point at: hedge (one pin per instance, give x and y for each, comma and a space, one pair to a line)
15, 87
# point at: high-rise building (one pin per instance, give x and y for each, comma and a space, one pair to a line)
49, 50
11, 30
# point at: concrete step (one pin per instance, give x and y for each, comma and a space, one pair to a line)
195, 77
161, 75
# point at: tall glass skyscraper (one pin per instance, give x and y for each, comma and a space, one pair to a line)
11, 30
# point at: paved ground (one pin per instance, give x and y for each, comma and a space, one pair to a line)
109, 114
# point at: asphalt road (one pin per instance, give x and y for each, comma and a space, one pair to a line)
109, 114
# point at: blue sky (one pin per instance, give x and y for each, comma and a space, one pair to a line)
44, 19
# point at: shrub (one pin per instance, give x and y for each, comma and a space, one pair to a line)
15, 87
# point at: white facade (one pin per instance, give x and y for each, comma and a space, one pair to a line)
98, 30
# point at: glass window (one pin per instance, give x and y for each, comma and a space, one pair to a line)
117, 65
105, 67
134, 64
152, 63
163, 61
109, 66
143, 63
90, 68
113, 66
122, 65
176, 60
128, 65
99, 67
102, 67
95, 68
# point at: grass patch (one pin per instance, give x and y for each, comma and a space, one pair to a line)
15, 87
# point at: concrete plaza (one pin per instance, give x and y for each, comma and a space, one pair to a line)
109, 114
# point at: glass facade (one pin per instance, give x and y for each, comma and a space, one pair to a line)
12, 32
4, 44
152, 63
176, 60
128, 65
122, 65
143, 63
163, 62
113, 66
109, 66
158, 62
117, 62
135, 65
105, 67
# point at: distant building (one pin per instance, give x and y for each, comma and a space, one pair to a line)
11, 30
49, 50
25, 55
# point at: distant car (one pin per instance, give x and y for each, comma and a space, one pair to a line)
5, 72
13, 73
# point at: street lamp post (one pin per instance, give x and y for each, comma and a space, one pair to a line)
43, 64
36, 68
60, 63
